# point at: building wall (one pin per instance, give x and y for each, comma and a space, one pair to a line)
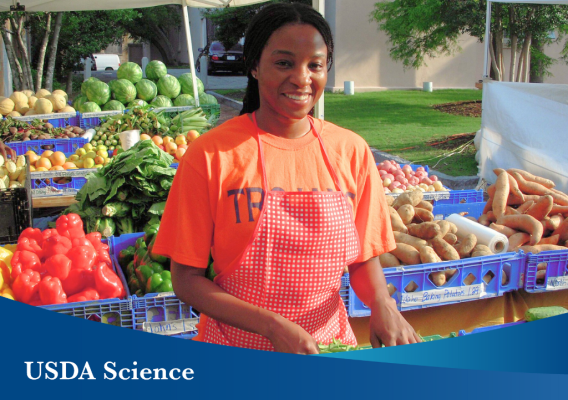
362, 56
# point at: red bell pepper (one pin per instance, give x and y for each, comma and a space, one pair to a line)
25, 243
83, 257
70, 226
81, 241
85, 295
104, 256
51, 291
78, 280
23, 260
58, 266
48, 233
32, 233
26, 285
56, 244
95, 239
107, 282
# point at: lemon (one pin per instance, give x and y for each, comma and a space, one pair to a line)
87, 147
88, 163
102, 153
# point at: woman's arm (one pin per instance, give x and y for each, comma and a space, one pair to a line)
387, 324
193, 288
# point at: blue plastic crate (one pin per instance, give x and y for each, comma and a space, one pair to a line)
87, 123
442, 211
47, 187
556, 264
164, 315
54, 119
67, 146
489, 328
462, 197
454, 291
344, 290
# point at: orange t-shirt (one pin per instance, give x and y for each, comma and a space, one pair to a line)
216, 197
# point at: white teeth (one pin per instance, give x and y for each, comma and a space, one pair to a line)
290, 96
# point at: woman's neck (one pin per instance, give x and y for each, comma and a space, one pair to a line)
283, 127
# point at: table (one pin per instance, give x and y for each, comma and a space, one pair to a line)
53, 201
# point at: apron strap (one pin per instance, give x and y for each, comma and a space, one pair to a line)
330, 167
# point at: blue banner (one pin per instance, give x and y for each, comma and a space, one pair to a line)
50, 355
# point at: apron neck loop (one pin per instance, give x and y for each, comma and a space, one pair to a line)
315, 132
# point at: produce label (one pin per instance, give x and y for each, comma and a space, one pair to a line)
557, 283
170, 328
441, 296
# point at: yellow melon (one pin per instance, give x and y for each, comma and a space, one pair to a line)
42, 93
19, 97
31, 101
6, 106
28, 93
43, 106
67, 109
14, 114
57, 100
60, 93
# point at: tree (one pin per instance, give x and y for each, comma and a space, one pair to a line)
429, 28
154, 24
231, 22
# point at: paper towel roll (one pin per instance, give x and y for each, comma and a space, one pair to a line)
497, 242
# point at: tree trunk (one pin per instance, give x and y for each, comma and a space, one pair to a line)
524, 67
165, 46
536, 73
494, 65
42, 51
69, 83
53, 52
17, 73
513, 67
27, 82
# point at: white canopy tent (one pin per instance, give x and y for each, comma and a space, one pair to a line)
89, 5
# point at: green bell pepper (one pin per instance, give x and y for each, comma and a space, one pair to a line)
150, 232
160, 282
134, 284
126, 255
146, 270
156, 257
140, 242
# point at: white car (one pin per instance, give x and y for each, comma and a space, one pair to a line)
106, 62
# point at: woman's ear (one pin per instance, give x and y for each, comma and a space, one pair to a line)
254, 70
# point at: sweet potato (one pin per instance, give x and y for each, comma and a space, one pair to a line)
488, 206
502, 229
556, 209
559, 197
517, 201
481, 250
444, 249
513, 186
466, 245
450, 238
406, 213
413, 198
425, 230
491, 216
484, 220
396, 222
445, 227
491, 190
425, 205
428, 255
422, 215
387, 260
541, 247
524, 223
501, 194
438, 278
525, 206
511, 211
541, 208
553, 222
530, 177
517, 240
406, 253
562, 231
415, 242
529, 187
549, 240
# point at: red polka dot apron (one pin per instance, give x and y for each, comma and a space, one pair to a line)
293, 264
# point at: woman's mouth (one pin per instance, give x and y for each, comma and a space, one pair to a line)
301, 97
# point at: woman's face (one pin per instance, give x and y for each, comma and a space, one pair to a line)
291, 72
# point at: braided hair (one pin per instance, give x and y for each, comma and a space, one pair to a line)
268, 20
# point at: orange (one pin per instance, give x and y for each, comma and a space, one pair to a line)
43, 162
56, 168
58, 158
32, 156
157, 140
41, 169
144, 136
171, 146
179, 153
99, 160
192, 135
47, 154
69, 165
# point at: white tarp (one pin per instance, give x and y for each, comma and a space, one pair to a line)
524, 125
532, 1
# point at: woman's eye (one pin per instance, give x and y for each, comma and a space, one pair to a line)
283, 63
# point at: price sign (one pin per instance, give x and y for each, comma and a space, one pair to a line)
557, 283
441, 296
170, 328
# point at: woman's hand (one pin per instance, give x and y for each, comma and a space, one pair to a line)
288, 337
6, 151
389, 327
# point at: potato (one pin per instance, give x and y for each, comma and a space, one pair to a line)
444, 249
425, 205
422, 215
411, 287
428, 255
438, 278
466, 246
387, 260
444, 226
396, 221
469, 280
407, 254
415, 242
450, 238
413, 198
504, 278
425, 230
406, 213
450, 273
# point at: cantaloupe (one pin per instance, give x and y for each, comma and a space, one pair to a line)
31, 101
22, 108
61, 93
57, 100
42, 93
14, 114
19, 97
31, 112
43, 106
28, 93
67, 109
6, 106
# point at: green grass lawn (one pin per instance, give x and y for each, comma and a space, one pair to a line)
402, 122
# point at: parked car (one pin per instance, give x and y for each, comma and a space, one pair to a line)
93, 63
220, 59
106, 62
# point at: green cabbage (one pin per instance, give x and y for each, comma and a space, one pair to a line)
124, 91
155, 70
184, 100
162, 101
146, 89
130, 71
89, 106
113, 105
98, 92
169, 86
187, 84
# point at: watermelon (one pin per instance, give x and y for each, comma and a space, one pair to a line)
155, 70
98, 92
89, 106
86, 84
184, 100
187, 84
207, 99
169, 86
146, 89
137, 103
124, 91
113, 105
81, 99
162, 101
130, 71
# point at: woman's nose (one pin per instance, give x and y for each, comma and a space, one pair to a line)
302, 77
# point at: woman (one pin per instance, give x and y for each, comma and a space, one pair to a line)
284, 203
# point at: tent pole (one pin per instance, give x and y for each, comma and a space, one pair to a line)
487, 39
190, 53
319, 6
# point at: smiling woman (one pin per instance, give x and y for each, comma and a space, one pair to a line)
283, 203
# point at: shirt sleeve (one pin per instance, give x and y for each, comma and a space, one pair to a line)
372, 217
186, 229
